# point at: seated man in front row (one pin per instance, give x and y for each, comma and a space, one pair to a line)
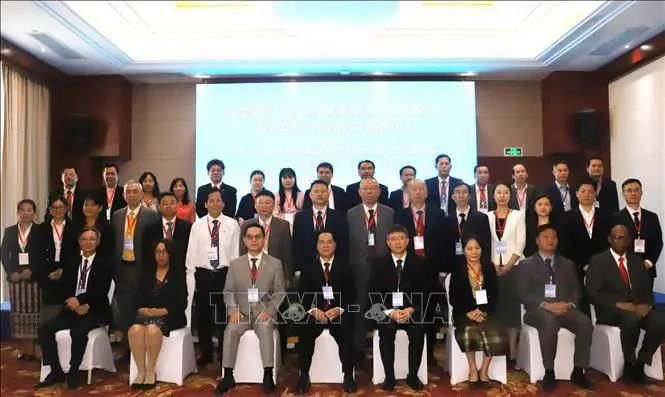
87, 281
327, 290
548, 287
619, 287
253, 291
399, 282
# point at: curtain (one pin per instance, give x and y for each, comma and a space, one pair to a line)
24, 147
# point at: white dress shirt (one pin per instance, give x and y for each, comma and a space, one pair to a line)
589, 218
395, 258
57, 238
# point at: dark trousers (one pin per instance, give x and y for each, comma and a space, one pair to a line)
341, 329
630, 324
548, 326
387, 332
210, 309
78, 326
127, 276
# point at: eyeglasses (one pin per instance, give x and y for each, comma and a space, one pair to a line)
632, 190
58, 208
254, 236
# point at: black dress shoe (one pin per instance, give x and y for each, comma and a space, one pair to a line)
414, 383
628, 376
51, 379
388, 384
303, 384
350, 385
227, 383
73, 380
148, 384
268, 384
549, 382
581, 380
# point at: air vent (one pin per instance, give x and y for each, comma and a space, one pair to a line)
56, 46
618, 41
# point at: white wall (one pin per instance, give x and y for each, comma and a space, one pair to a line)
637, 138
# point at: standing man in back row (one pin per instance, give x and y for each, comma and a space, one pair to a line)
336, 195
229, 193
366, 169
606, 189
440, 188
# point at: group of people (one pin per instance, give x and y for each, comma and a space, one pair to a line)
348, 260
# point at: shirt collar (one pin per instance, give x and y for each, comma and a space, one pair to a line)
330, 261
585, 213
466, 213
90, 259
395, 258
543, 257
135, 211
617, 256
258, 259
219, 218
415, 210
558, 185
323, 210
447, 179
370, 208
218, 185
65, 190
638, 210
267, 222
164, 221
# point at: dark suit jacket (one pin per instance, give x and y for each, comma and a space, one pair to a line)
491, 204
433, 198
155, 232
341, 281
477, 224
246, 208
574, 241
554, 194
69, 250
533, 273
395, 200
531, 193
99, 282
280, 245
304, 236
339, 195
10, 249
607, 196
118, 200
461, 297
606, 287
77, 203
172, 296
229, 195
434, 236
650, 231
353, 198
413, 283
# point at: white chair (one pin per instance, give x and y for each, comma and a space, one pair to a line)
530, 358
98, 353
456, 362
606, 354
326, 366
177, 358
401, 364
249, 367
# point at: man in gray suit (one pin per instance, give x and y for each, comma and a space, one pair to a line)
547, 286
130, 223
253, 291
368, 223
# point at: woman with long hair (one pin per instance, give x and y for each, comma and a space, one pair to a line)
186, 210
290, 199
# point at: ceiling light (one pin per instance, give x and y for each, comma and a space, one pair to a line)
468, 74
345, 72
289, 74
627, 46
201, 76
43, 49
381, 74
6, 51
646, 47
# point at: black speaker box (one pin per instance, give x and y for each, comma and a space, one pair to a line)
79, 128
587, 128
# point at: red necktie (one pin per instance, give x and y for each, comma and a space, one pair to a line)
420, 231
623, 272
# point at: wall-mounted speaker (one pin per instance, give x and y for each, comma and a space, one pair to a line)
79, 129
587, 128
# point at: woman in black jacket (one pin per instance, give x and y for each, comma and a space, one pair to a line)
92, 208
160, 301
542, 213
473, 295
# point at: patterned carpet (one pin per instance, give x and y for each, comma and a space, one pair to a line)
18, 378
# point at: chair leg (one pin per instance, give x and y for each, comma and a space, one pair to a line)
89, 376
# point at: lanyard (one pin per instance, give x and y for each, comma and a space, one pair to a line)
372, 220
23, 238
564, 196
288, 202
109, 198
266, 227
165, 229
254, 274
58, 233
502, 225
419, 232
323, 218
589, 226
521, 197
477, 275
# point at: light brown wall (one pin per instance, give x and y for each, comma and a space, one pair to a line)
164, 116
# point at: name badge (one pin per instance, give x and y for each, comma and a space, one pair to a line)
80, 291
327, 292
640, 246
398, 299
596, 204
212, 254
108, 214
370, 239
458, 248
23, 258
481, 297
550, 290
252, 295
501, 247
57, 254
419, 242
128, 244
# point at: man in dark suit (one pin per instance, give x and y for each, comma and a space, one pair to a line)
396, 295
619, 288
548, 287
216, 170
87, 281
368, 223
561, 194
606, 189
326, 286
366, 169
399, 198
462, 223
440, 188
644, 226
73, 196
481, 194
171, 227
584, 233
522, 194
111, 194
336, 195
307, 222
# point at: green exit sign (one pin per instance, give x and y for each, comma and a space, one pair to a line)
513, 152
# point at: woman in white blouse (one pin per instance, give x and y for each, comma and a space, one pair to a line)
508, 232
290, 199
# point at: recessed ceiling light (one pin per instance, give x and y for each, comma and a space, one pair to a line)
42, 49
381, 74
289, 74
6, 51
627, 46
345, 72
201, 76
468, 74
646, 47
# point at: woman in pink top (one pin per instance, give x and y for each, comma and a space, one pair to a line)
186, 210
290, 199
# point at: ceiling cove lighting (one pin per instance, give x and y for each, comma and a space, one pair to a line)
468, 74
